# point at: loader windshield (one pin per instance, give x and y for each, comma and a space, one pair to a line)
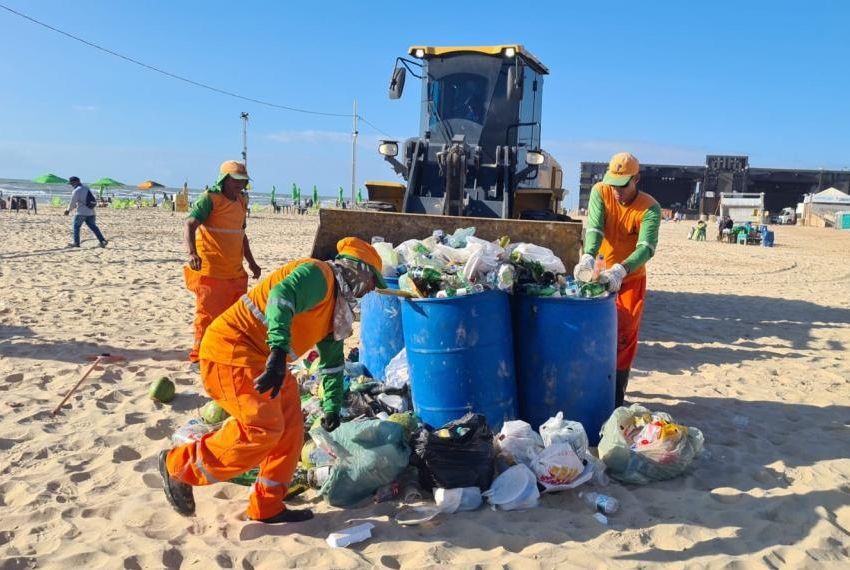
465, 94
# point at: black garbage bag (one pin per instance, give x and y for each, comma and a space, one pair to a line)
459, 454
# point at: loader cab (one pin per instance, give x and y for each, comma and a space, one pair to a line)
467, 93
482, 106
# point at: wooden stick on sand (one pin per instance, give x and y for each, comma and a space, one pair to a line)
102, 358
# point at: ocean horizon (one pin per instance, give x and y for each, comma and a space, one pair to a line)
44, 193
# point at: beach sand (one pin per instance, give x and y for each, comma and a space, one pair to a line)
729, 331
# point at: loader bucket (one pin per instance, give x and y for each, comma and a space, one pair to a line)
563, 238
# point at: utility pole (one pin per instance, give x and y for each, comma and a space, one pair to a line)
354, 156
244, 117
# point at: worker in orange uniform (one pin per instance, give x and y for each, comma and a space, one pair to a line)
243, 366
214, 233
622, 226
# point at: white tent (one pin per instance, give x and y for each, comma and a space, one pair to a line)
830, 196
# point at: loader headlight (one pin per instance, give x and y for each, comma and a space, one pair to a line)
420, 53
534, 158
388, 148
510, 52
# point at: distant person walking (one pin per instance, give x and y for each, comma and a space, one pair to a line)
215, 238
84, 202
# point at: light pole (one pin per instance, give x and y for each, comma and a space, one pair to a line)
244, 117
354, 156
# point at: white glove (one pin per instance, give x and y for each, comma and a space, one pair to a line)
583, 271
613, 278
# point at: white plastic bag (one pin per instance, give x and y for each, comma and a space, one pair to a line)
397, 372
484, 257
559, 468
559, 430
389, 258
542, 255
518, 443
192, 431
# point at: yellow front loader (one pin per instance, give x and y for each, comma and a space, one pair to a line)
477, 160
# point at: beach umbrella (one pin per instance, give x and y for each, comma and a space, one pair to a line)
106, 182
50, 179
315, 196
149, 184
360, 195
294, 193
274, 191
340, 198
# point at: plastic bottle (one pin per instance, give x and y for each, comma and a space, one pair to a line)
426, 279
604, 504
598, 267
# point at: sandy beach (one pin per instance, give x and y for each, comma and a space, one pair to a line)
749, 344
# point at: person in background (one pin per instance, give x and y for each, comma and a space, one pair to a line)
215, 238
622, 226
244, 357
84, 202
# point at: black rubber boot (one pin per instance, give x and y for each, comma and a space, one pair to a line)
179, 494
289, 516
622, 383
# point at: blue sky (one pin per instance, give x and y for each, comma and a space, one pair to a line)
668, 81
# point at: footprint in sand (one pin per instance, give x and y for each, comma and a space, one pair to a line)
80, 477
161, 430
124, 453
134, 418
152, 481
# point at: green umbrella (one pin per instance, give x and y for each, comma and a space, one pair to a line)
315, 196
106, 182
340, 198
294, 192
359, 195
274, 191
50, 179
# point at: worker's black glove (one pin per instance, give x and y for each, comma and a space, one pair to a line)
275, 372
331, 421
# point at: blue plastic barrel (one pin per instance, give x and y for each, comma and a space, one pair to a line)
566, 354
460, 353
380, 330
767, 238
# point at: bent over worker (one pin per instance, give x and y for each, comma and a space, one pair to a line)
214, 233
243, 366
622, 226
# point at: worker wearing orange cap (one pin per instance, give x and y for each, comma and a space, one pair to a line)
243, 366
622, 226
215, 237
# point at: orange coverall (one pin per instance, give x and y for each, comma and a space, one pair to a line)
219, 241
265, 432
629, 236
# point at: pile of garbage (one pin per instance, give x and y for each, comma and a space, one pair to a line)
364, 397
444, 265
640, 446
383, 451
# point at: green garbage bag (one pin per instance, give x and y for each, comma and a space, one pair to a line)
632, 459
376, 455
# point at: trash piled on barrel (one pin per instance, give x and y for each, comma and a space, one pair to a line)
459, 264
